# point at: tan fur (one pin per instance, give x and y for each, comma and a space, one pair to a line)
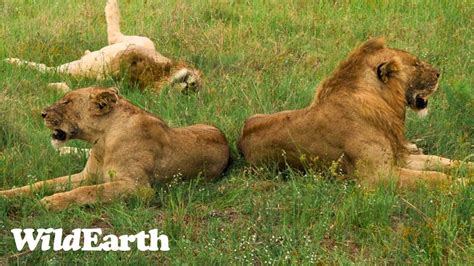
131, 148
356, 119
132, 57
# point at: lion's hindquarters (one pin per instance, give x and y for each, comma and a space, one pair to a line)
253, 137
273, 138
203, 151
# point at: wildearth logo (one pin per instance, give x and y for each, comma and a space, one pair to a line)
87, 239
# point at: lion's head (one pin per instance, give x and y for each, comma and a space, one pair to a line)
186, 79
376, 84
423, 81
398, 77
79, 114
146, 67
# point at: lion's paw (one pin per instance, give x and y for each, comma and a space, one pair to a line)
413, 149
59, 86
54, 202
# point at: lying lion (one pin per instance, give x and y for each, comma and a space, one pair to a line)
131, 148
134, 56
356, 119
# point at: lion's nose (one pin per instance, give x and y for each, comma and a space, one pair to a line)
43, 114
437, 73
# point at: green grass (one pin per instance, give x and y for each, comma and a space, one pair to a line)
257, 56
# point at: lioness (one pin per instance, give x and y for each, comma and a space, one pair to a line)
356, 119
134, 55
131, 148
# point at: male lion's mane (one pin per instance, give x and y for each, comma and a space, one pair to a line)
360, 92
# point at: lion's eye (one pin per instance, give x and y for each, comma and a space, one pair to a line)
66, 102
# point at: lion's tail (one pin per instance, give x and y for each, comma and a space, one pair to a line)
112, 15
36, 66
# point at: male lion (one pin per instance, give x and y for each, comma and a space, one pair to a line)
131, 148
134, 55
356, 119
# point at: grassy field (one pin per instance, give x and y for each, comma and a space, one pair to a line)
257, 57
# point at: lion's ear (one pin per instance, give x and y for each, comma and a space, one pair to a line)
373, 44
105, 101
387, 70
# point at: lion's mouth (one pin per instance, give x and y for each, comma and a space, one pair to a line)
421, 102
418, 101
59, 134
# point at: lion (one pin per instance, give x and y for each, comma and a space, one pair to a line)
357, 120
133, 58
131, 148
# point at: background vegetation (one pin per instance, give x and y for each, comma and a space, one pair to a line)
257, 57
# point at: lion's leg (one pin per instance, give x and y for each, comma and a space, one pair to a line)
432, 162
92, 65
408, 178
402, 177
413, 149
56, 184
59, 86
112, 15
89, 194
76, 68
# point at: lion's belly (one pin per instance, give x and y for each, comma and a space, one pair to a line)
138, 41
95, 64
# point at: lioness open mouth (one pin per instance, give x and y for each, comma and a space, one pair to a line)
59, 134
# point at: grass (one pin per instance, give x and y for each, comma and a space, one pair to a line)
258, 57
